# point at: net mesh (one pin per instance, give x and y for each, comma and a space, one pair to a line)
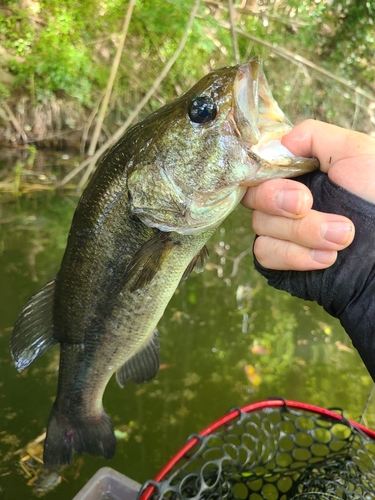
275, 454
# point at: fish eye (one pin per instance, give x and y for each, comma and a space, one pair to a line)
202, 109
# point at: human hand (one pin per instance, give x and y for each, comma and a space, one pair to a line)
292, 236
346, 185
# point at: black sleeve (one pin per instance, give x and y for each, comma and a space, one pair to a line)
346, 290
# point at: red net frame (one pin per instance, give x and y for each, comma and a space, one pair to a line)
232, 415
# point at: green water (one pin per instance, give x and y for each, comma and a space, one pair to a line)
227, 339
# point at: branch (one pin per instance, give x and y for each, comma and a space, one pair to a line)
297, 59
90, 162
88, 124
266, 14
233, 32
15, 122
112, 77
237, 261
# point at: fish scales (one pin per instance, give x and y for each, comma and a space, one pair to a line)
139, 229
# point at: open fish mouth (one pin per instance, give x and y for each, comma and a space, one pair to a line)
260, 124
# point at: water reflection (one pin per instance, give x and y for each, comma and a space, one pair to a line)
227, 339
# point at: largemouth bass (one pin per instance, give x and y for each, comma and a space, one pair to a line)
139, 229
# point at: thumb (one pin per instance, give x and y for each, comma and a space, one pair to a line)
348, 157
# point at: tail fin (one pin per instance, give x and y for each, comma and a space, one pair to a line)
92, 435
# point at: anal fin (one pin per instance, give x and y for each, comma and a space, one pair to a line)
32, 334
143, 366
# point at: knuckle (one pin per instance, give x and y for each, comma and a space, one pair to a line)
296, 230
288, 254
292, 256
306, 231
257, 222
265, 196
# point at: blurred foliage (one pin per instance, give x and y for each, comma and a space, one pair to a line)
52, 49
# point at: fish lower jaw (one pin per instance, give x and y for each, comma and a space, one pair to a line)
281, 168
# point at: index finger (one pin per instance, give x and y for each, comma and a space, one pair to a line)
327, 142
283, 197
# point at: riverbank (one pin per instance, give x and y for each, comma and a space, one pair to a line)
56, 124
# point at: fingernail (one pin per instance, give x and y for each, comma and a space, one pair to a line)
291, 200
324, 256
336, 232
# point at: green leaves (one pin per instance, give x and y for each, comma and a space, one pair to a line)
66, 49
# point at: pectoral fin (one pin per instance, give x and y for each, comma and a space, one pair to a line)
143, 366
32, 335
197, 264
148, 260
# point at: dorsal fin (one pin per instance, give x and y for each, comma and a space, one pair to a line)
147, 261
197, 264
32, 335
143, 366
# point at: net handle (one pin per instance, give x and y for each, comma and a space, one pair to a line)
260, 405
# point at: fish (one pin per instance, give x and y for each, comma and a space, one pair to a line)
139, 229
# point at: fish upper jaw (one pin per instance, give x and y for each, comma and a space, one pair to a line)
256, 113
260, 124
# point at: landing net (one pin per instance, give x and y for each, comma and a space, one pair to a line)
273, 450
